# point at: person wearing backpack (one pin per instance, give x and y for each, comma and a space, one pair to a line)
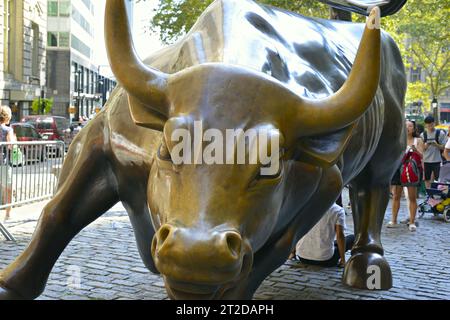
434, 143
409, 175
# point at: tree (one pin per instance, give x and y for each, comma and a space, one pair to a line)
42, 106
421, 31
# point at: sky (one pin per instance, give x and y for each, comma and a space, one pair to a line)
144, 42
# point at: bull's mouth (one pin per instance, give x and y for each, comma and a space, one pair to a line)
180, 290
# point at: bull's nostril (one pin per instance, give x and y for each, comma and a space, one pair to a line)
163, 234
234, 242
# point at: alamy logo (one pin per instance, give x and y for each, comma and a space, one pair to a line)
260, 146
374, 279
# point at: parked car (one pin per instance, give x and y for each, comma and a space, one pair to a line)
51, 128
26, 132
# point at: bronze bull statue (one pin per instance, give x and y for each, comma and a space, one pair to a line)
333, 93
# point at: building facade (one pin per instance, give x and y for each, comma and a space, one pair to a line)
73, 80
23, 35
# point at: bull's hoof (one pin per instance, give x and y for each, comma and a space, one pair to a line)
6, 294
368, 270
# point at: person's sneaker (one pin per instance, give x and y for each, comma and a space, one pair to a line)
392, 225
412, 227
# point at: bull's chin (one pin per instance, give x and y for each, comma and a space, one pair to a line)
177, 294
184, 291
179, 290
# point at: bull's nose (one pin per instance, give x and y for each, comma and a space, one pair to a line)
193, 254
170, 238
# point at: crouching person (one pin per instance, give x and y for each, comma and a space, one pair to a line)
319, 247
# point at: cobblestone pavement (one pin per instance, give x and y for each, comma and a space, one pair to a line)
106, 256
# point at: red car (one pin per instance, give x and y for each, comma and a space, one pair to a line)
26, 132
49, 127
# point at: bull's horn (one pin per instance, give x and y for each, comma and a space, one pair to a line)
144, 83
355, 96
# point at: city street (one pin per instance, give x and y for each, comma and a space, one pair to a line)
105, 258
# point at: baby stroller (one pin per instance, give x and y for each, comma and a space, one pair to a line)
438, 196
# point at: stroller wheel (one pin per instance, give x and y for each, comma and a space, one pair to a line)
421, 212
423, 207
447, 215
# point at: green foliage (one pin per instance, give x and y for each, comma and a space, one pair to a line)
417, 91
422, 33
42, 106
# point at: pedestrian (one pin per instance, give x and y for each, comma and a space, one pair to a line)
6, 135
433, 142
446, 154
319, 247
416, 145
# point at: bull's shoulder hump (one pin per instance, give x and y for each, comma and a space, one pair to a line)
232, 31
300, 51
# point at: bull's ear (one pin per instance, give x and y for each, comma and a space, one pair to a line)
145, 116
323, 150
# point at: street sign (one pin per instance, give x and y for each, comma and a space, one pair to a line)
72, 110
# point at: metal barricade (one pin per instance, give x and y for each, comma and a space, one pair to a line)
29, 172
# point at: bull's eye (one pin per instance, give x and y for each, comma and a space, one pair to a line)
267, 177
271, 172
164, 153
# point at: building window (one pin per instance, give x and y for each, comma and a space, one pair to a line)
5, 14
89, 5
52, 8
9, 35
35, 50
78, 17
64, 39
64, 8
416, 74
52, 39
80, 46
58, 39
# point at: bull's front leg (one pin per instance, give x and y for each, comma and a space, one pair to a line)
87, 190
367, 268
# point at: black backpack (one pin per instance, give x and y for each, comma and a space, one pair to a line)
436, 137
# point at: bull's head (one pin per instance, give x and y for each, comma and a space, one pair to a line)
210, 218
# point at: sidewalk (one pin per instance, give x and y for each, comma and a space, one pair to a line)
24, 213
105, 257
